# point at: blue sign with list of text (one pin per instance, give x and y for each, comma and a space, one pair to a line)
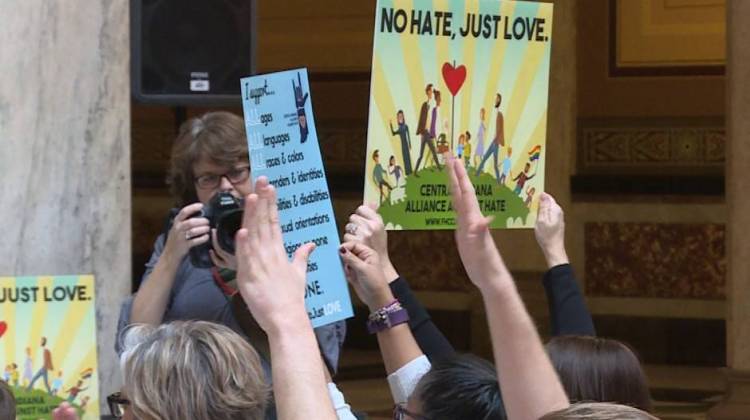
284, 148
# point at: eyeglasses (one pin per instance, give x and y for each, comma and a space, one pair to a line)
117, 405
401, 413
211, 181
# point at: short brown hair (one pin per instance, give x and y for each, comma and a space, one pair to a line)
192, 369
216, 136
599, 369
598, 411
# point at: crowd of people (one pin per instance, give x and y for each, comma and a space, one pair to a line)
234, 341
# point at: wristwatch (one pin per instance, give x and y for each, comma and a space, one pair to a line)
387, 317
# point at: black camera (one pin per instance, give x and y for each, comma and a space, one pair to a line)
224, 213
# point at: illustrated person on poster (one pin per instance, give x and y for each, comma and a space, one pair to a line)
522, 178
423, 130
14, 375
497, 142
394, 169
28, 368
529, 196
506, 167
300, 99
6, 374
460, 147
403, 133
467, 149
46, 367
479, 152
84, 402
74, 391
57, 384
378, 175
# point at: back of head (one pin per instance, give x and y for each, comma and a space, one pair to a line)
7, 402
599, 369
461, 387
599, 411
192, 369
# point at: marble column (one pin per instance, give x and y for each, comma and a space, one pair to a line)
736, 404
65, 159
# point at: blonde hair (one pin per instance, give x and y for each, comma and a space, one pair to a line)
192, 370
599, 411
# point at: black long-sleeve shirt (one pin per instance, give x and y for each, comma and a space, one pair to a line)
567, 307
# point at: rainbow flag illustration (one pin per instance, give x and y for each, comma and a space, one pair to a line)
535, 153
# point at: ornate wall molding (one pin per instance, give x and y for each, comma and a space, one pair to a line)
689, 146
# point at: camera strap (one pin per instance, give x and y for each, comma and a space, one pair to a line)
223, 278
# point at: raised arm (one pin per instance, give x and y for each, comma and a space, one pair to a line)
404, 361
528, 382
366, 226
274, 290
567, 307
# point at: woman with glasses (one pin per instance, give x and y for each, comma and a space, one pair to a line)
209, 156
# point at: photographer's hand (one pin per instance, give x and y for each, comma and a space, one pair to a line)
219, 257
151, 300
186, 232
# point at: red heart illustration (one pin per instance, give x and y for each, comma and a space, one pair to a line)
3, 328
454, 77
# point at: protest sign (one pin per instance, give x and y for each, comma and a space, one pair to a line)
465, 77
283, 146
48, 337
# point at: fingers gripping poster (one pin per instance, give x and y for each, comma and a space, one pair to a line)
48, 344
468, 78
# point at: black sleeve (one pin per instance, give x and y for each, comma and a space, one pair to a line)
567, 308
429, 338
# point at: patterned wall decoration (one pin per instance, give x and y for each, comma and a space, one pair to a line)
638, 147
655, 260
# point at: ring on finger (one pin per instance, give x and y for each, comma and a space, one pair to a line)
351, 228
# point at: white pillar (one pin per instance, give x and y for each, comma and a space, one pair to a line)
65, 150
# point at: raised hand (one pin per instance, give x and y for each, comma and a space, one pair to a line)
272, 286
366, 226
476, 247
365, 273
550, 231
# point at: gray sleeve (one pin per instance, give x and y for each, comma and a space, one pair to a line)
125, 309
330, 339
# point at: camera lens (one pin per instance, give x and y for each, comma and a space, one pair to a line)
226, 229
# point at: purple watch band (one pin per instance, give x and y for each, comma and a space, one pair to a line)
384, 320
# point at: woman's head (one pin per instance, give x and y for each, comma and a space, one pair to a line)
598, 411
209, 148
599, 369
459, 387
192, 369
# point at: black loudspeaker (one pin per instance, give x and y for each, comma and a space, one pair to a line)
191, 52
